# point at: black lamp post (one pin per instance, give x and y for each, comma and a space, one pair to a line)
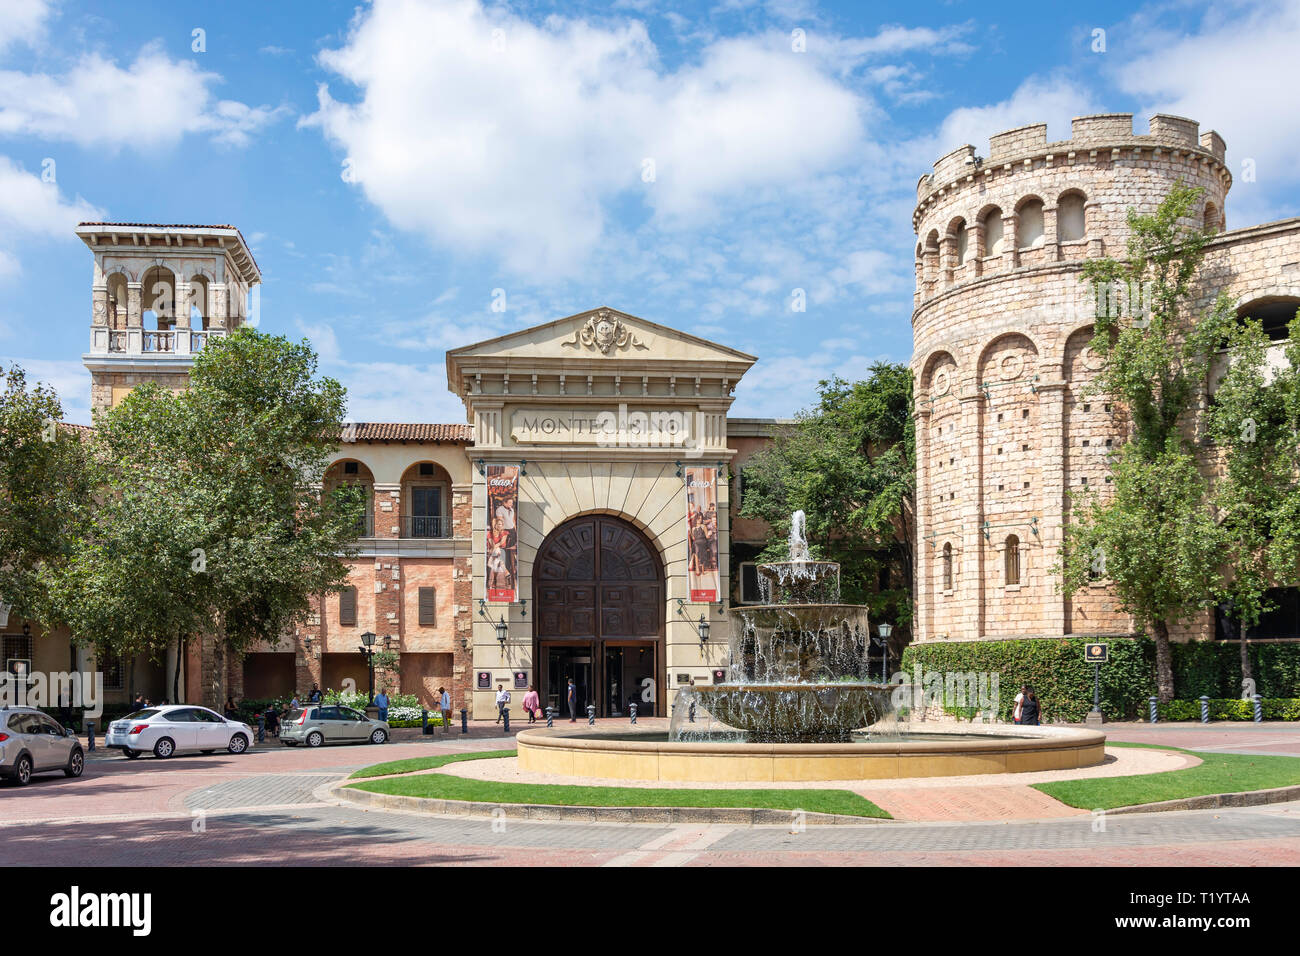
368, 649
884, 630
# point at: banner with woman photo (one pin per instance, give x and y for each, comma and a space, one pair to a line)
502, 551
702, 533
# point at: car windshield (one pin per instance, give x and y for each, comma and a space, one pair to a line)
141, 714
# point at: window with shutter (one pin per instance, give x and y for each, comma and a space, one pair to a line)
348, 607
428, 607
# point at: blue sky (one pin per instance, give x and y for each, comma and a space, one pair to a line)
394, 163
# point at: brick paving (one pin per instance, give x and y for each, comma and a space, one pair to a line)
262, 807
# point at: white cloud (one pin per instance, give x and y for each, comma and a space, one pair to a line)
517, 149
31, 209
24, 22
69, 379
1054, 100
152, 103
1236, 73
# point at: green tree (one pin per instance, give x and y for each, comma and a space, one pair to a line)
1253, 424
42, 476
210, 518
849, 464
1156, 538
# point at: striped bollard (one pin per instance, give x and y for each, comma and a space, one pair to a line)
591, 715
1155, 708
1258, 701
632, 710
261, 727
1205, 709
505, 716
550, 716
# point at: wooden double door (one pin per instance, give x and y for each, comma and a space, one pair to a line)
598, 587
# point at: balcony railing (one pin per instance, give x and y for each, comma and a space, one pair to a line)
421, 526
365, 526
106, 341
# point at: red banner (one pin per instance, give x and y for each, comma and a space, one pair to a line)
502, 551
702, 533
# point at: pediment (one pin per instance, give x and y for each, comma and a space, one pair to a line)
598, 340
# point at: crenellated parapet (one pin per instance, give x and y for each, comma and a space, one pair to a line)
1034, 203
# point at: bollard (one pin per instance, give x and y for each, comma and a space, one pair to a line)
632, 709
464, 721
505, 716
1155, 710
90, 735
550, 716
424, 721
591, 715
1205, 709
1259, 707
261, 727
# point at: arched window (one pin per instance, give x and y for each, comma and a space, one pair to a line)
1070, 223
963, 241
992, 232
1029, 225
1212, 223
947, 567
1011, 560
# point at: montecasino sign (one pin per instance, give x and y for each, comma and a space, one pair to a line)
610, 427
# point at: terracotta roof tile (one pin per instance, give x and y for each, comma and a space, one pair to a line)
398, 432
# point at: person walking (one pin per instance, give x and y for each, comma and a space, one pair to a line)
531, 704
444, 705
571, 697
1030, 710
231, 712
381, 701
503, 701
1020, 703
314, 696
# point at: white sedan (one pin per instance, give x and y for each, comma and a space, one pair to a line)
170, 729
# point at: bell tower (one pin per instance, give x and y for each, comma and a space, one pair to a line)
159, 294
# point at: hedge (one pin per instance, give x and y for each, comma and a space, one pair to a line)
1063, 680
1231, 708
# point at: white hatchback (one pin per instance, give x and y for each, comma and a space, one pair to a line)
171, 729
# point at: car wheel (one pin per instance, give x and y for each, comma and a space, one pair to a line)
238, 744
164, 748
23, 771
130, 754
76, 764
314, 739
379, 736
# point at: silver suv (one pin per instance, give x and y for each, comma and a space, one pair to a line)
33, 742
316, 724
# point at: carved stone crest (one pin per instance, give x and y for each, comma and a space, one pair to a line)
605, 331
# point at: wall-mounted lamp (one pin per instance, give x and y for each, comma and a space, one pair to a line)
701, 628
502, 628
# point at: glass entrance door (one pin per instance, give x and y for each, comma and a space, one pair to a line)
565, 661
630, 677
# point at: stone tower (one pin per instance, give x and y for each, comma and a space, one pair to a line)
159, 293
1001, 326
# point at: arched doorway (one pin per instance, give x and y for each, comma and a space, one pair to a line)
598, 586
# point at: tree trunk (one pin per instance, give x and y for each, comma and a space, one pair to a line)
176, 676
1164, 661
1246, 674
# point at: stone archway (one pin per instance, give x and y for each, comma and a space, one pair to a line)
598, 590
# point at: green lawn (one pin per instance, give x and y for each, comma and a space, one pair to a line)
1218, 773
414, 764
446, 787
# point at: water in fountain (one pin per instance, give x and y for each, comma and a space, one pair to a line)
798, 664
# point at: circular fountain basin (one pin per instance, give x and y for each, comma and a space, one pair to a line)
921, 752
797, 713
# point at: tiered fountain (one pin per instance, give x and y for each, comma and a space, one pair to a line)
797, 704
798, 671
